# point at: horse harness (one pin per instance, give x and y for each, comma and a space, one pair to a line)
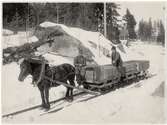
43, 76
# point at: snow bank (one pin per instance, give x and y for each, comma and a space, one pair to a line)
17, 39
7, 32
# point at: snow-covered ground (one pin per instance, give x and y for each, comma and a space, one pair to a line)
141, 102
7, 32
18, 39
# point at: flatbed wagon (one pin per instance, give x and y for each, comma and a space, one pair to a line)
107, 75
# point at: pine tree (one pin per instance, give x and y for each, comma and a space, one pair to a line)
150, 29
38, 11
141, 30
16, 22
131, 23
88, 16
161, 34
112, 21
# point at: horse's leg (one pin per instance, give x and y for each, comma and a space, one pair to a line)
71, 81
46, 91
67, 92
41, 89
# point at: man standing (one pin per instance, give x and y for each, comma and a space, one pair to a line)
79, 63
117, 62
116, 58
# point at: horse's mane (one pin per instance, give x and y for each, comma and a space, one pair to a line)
33, 64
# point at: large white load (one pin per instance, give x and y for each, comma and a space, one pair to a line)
97, 45
94, 44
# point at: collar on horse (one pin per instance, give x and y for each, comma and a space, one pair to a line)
41, 74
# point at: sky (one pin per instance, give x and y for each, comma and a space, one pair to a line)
143, 10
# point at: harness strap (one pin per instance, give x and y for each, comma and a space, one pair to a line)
52, 79
73, 87
41, 73
43, 76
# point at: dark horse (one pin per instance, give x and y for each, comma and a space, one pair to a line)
63, 73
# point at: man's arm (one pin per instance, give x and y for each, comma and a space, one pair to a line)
113, 59
117, 56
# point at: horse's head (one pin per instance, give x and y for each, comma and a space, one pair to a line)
25, 70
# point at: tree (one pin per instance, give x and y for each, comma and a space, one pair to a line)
131, 23
22, 13
38, 10
150, 29
151, 32
88, 16
112, 21
16, 22
161, 34
14, 12
141, 29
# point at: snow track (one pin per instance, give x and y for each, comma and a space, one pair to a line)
36, 106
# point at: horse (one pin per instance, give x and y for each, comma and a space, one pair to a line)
64, 73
